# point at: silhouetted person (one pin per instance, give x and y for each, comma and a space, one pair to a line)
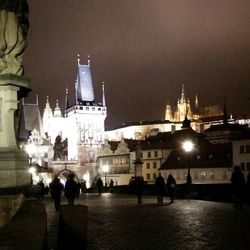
83, 188
111, 186
41, 188
160, 188
71, 189
56, 188
139, 187
248, 187
99, 184
171, 183
238, 186
132, 184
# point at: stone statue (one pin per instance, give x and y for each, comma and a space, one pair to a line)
60, 148
13, 32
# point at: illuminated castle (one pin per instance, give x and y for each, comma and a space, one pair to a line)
183, 110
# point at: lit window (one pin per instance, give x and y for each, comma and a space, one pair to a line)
156, 154
147, 165
154, 165
148, 176
149, 154
154, 175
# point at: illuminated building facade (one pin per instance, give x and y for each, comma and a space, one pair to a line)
82, 125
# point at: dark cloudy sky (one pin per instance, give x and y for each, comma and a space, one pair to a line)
144, 50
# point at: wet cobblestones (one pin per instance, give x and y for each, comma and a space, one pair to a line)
116, 222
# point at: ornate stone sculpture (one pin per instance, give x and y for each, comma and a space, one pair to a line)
13, 32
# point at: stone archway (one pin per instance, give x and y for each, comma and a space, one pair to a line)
63, 175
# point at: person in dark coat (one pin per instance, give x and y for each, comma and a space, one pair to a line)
238, 186
139, 186
71, 189
171, 183
248, 187
56, 188
99, 184
160, 188
41, 188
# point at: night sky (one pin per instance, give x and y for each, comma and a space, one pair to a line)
144, 50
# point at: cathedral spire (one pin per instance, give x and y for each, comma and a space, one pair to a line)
183, 98
196, 102
103, 95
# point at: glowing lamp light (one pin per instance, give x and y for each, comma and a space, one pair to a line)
32, 170
105, 168
30, 149
188, 146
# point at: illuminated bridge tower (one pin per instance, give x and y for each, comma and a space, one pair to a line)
85, 123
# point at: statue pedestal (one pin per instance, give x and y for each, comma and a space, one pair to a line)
13, 162
138, 167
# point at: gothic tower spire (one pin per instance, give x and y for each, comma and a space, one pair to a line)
103, 95
66, 99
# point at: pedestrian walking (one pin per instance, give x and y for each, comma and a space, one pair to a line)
171, 184
160, 188
71, 189
238, 186
99, 184
56, 188
139, 187
248, 187
41, 189
83, 188
111, 186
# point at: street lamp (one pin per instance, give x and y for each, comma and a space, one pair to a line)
105, 170
188, 147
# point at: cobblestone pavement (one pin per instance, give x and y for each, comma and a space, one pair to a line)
116, 222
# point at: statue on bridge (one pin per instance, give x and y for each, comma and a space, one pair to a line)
13, 32
60, 148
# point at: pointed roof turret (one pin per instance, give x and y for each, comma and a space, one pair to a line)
103, 95
47, 105
84, 86
57, 112
66, 99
